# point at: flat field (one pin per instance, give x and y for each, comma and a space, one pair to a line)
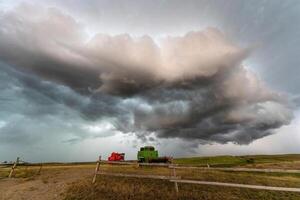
74, 181
288, 161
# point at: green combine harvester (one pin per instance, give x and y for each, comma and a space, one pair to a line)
148, 154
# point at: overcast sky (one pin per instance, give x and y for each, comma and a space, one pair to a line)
80, 79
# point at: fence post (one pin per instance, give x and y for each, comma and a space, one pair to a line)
13, 168
174, 175
97, 169
40, 169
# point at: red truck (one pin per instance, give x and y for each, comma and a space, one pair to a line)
115, 156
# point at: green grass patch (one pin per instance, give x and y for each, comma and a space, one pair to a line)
233, 161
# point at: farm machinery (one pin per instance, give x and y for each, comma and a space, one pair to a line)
116, 156
148, 154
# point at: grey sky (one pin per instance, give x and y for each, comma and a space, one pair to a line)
54, 113
272, 26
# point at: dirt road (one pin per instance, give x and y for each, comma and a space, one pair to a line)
50, 185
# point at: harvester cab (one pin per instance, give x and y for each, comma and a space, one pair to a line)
148, 154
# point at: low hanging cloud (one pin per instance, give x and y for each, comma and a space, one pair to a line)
193, 87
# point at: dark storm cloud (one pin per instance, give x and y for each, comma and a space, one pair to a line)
206, 115
193, 86
46, 94
32, 106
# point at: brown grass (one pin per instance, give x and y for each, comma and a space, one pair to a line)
108, 188
21, 172
255, 178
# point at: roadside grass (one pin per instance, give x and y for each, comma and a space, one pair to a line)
108, 188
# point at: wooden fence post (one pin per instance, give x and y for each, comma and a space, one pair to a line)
13, 168
97, 169
175, 183
40, 169
174, 175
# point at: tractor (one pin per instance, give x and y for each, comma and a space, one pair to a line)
116, 156
148, 154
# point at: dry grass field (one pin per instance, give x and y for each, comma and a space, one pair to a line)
108, 188
73, 181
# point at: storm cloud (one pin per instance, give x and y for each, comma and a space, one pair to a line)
194, 86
